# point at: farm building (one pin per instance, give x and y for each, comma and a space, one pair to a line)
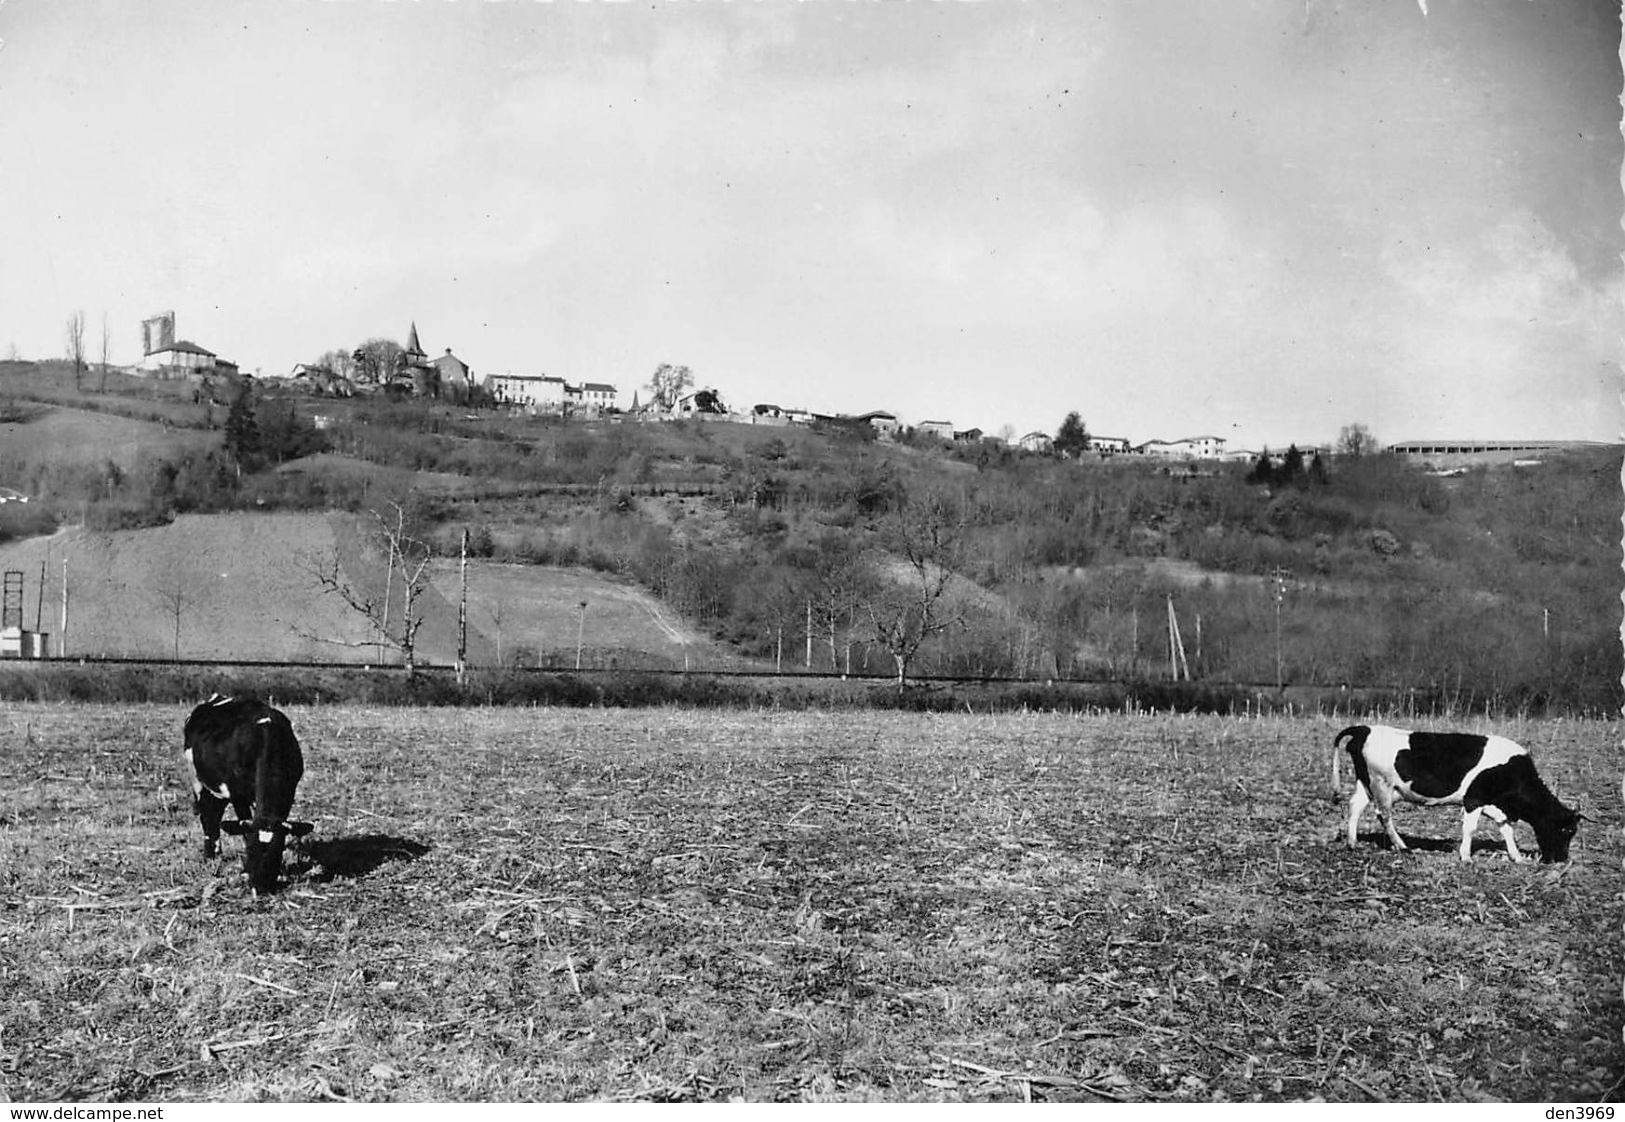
1467, 453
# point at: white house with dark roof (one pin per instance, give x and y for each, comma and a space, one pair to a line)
596, 397
181, 355
164, 356
1185, 448
543, 393
548, 393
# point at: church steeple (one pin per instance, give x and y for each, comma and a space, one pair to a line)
413, 348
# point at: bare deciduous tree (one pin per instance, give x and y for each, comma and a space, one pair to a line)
909, 607
1355, 441
667, 384
76, 347
107, 347
174, 594
378, 362
496, 612
405, 554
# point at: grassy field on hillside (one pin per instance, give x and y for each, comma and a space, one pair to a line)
677, 905
74, 436
246, 593
527, 612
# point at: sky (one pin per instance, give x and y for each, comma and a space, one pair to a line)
1256, 219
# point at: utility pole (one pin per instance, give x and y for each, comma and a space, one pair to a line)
1134, 649
1176, 644
581, 627
39, 599
62, 638
1280, 576
462, 614
1173, 659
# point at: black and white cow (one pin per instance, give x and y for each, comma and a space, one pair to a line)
1482, 774
244, 753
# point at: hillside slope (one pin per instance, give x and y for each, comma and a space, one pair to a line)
77, 436
242, 587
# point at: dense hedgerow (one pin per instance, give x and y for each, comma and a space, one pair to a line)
133, 684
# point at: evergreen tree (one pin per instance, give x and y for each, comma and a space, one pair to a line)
1073, 437
1291, 467
1263, 472
242, 431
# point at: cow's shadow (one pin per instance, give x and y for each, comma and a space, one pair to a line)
332, 858
1378, 840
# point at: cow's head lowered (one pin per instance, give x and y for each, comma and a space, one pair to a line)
265, 845
1555, 830
245, 756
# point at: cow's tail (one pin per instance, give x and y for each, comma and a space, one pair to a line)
1355, 735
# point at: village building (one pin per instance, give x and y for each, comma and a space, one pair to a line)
550, 395
705, 403
596, 397
943, 429
164, 356
417, 372
540, 393
884, 423
454, 376
1442, 455
1036, 442
1186, 448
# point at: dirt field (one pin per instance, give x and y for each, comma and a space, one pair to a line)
679, 905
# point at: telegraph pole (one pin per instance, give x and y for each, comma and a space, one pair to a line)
1280, 576
462, 614
581, 627
1177, 661
62, 639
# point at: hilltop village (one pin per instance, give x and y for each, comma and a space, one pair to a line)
382, 367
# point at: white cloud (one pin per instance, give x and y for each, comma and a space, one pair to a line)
1515, 272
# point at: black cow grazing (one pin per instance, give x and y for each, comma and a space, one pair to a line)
244, 753
1482, 774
